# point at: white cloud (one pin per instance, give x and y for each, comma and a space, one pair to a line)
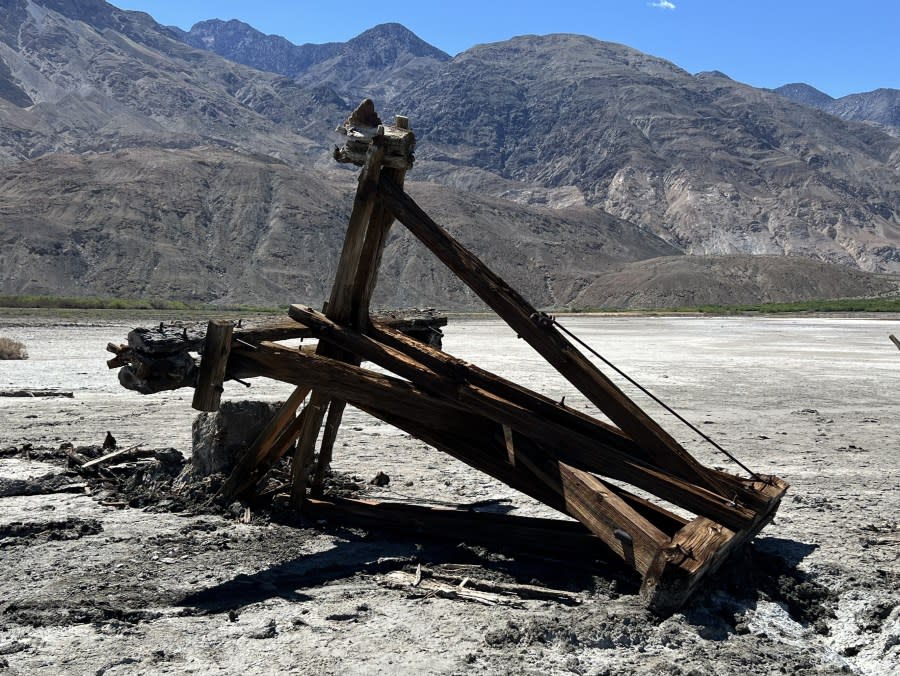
662, 4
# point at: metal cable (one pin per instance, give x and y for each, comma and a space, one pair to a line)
650, 394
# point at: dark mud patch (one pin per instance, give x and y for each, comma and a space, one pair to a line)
756, 574
52, 613
42, 485
32, 532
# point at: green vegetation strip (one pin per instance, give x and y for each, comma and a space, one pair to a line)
838, 305
97, 303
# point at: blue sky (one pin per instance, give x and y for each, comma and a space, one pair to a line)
838, 47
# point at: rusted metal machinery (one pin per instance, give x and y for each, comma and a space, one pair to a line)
553, 453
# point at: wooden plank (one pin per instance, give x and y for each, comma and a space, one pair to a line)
275, 452
373, 247
109, 457
303, 456
544, 407
415, 584
474, 443
510, 444
339, 307
546, 339
527, 591
217, 346
326, 450
529, 534
340, 301
628, 534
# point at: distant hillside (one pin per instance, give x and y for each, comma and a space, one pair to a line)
378, 63
690, 281
217, 226
881, 106
711, 165
137, 164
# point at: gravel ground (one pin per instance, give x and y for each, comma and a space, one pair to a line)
94, 588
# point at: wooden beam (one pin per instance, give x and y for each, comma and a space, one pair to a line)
339, 306
528, 534
363, 285
533, 327
583, 452
373, 247
461, 371
326, 450
362, 388
208, 393
303, 455
696, 551
626, 532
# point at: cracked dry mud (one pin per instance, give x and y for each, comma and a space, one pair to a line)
94, 587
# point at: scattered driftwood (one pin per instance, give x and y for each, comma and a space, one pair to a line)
36, 393
570, 461
119, 455
524, 591
419, 585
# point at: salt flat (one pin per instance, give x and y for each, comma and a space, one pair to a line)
811, 399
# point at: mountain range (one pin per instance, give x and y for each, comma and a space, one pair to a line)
881, 106
139, 159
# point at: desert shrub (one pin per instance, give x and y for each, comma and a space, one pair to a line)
12, 349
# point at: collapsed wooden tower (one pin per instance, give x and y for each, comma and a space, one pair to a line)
540, 447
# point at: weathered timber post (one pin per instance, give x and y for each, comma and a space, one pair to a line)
373, 146
216, 349
360, 297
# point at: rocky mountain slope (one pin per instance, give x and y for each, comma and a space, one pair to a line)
215, 225
709, 164
881, 106
209, 224
378, 63
82, 76
137, 164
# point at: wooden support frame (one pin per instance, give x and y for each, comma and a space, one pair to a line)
564, 458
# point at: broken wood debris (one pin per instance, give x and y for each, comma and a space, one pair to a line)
121, 454
568, 460
429, 582
428, 588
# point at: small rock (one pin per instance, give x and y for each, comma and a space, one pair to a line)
380, 479
267, 631
13, 647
